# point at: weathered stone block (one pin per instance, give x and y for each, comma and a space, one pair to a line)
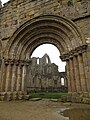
27, 97
3, 96
86, 100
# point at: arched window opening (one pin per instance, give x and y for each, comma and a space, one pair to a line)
62, 82
46, 60
38, 61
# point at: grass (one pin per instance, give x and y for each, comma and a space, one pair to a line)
50, 95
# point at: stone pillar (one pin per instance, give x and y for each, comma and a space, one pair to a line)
65, 81
0, 73
8, 78
77, 74
14, 78
3, 81
19, 78
82, 73
72, 76
23, 77
68, 76
86, 69
60, 81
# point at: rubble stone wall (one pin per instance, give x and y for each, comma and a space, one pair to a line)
45, 77
16, 12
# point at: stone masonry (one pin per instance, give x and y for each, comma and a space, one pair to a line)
26, 24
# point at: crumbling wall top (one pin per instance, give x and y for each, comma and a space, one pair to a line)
17, 12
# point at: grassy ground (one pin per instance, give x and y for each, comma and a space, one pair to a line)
54, 95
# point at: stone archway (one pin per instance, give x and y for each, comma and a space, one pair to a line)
56, 30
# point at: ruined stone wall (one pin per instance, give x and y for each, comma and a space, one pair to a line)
45, 75
15, 12
77, 56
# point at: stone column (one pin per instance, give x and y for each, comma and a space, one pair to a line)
68, 76
19, 78
86, 69
3, 81
72, 75
65, 81
77, 74
8, 78
60, 82
14, 77
82, 73
23, 77
0, 74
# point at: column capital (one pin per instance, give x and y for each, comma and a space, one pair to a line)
6, 61
16, 62
64, 57
27, 62
81, 48
71, 55
21, 62
75, 52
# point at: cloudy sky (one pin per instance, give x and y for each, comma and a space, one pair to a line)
51, 50
53, 53
4, 1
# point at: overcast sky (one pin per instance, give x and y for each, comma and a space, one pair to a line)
51, 50
4, 1
53, 53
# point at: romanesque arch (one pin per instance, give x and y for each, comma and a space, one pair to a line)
56, 30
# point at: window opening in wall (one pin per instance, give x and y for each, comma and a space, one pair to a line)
62, 82
38, 61
46, 60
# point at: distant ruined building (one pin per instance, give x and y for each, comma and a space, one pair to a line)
44, 76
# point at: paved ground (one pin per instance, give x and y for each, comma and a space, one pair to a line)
31, 110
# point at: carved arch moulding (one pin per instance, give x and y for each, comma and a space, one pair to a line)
57, 30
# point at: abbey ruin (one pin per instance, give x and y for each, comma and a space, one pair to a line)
27, 24
44, 76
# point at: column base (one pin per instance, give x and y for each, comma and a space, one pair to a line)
69, 96
79, 97
8, 96
20, 95
3, 96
